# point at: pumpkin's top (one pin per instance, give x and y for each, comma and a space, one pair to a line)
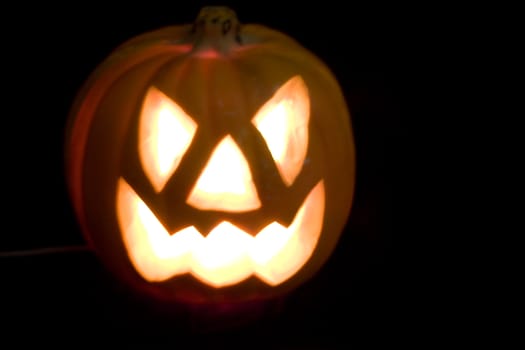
216, 28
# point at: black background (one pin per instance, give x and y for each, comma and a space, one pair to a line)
362, 293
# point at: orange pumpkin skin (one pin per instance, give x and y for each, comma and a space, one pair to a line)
220, 73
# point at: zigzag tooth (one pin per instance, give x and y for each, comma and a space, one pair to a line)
228, 254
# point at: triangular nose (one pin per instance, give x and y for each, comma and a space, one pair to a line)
225, 183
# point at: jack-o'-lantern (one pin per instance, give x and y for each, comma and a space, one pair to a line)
212, 161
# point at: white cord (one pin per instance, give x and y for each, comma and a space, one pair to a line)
43, 251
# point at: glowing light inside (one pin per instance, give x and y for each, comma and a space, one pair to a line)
226, 182
283, 122
228, 254
165, 133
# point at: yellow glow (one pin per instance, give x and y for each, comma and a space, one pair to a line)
222, 259
226, 182
283, 122
165, 133
227, 255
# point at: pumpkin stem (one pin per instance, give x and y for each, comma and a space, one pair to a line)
216, 28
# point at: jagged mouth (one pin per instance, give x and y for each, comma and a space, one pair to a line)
228, 254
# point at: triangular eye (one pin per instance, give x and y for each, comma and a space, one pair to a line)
165, 133
283, 122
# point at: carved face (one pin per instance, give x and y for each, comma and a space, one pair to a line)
211, 162
224, 253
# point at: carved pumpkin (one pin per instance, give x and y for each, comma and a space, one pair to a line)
211, 162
